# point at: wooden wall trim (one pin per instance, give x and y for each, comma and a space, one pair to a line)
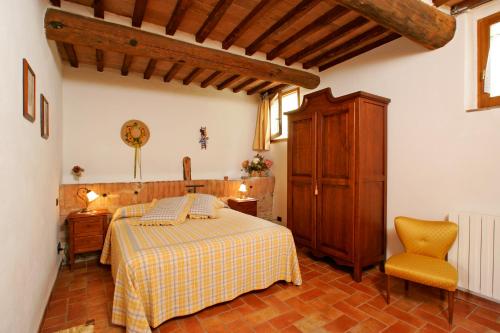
123, 194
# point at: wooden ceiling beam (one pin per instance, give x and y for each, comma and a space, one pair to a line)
464, 5
99, 8
213, 18
327, 40
180, 10
285, 21
414, 19
127, 61
359, 51
243, 84
71, 54
139, 11
346, 47
99, 60
150, 69
247, 22
228, 81
210, 79
76, 29
172, 71
258, 88
325, 19
194, 73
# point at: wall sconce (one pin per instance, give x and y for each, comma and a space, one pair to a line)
87, 196
242, 190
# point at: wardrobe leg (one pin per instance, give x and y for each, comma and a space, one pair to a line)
358, 272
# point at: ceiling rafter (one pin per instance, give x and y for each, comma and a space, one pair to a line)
69, 49
243, 84
127, 61
327, 40
99, 60
193, 75
150, 69
99, 8
246, 23
139, 11
172, 72
346, 47
303, 7
227, 82
364, 49
325, 19
275, 89
213, 18
259, 87
210, 79
180, 10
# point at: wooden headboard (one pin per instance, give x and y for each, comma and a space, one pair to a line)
123, 194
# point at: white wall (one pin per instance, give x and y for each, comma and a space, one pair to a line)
440, 157
97, 104
29, 171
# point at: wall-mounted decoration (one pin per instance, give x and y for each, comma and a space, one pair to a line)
77, 171
29, 93
186, 167
203, 137
135, 134
44, 117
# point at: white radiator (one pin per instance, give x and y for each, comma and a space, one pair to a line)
476, 253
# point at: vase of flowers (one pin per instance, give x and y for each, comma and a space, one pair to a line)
257, 167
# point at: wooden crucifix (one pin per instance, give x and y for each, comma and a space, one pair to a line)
186, 166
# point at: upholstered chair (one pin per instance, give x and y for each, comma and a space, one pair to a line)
424, 260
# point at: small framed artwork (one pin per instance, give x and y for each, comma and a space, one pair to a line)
44, 117
29, 93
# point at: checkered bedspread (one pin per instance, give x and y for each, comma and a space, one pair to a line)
162, 272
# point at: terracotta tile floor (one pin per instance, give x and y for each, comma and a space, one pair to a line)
327, 301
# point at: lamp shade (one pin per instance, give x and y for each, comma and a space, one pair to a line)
243, 187
91, 196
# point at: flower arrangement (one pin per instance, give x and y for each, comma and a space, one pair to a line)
77, 171
258, 166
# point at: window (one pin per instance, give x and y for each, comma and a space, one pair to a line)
488, 37
281, 103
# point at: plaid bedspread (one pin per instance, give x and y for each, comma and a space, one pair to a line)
162, 272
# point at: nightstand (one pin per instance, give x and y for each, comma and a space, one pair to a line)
86, 232
247, 205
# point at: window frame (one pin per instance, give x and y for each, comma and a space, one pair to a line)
483, 46
279, 96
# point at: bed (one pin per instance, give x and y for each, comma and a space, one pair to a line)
161, 272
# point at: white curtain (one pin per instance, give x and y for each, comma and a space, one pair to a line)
492, 73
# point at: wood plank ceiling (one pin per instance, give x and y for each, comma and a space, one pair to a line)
314, 33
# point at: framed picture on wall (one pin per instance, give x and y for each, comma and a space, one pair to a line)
29, 93
44, 117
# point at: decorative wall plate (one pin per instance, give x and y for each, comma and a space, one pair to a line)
135, 134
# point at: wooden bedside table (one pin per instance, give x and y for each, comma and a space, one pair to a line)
86, 232
247, 205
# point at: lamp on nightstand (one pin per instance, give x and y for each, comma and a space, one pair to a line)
242, 190
87, 196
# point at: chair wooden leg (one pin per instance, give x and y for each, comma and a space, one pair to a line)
407, 287
451, 304
387, 289
441, 294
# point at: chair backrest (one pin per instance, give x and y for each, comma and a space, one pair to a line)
427, 238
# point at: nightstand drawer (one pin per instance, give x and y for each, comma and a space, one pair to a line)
88, 243
88, 227
248, 206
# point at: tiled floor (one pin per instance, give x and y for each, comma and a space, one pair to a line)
328, 301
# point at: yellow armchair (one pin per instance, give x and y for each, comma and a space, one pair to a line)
424, 261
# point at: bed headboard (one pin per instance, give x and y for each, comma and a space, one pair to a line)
122, 194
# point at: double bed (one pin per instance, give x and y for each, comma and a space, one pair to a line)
161, 272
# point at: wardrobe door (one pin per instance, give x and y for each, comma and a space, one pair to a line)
335, 177
301, 174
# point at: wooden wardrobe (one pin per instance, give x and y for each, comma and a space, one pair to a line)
337, 177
